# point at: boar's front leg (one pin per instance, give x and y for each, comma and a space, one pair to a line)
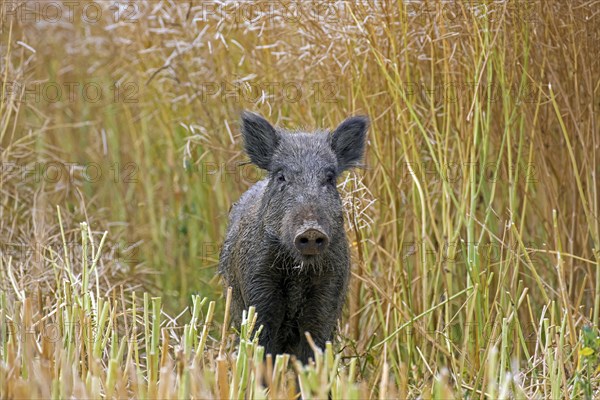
319, 316
264, 294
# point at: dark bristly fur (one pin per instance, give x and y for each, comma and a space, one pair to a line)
292, 293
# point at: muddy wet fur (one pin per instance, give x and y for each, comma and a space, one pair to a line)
286, 250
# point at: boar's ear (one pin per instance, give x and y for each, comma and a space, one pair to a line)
348, 141
260, 139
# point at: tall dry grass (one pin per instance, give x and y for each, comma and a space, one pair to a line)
475, 227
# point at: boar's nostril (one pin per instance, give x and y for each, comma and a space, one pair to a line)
311, 242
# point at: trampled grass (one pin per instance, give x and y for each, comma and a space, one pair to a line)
475, 225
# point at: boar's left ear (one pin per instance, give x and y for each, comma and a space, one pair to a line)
260, 139
348, 141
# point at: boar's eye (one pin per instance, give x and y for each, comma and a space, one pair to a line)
330, 178
280, 176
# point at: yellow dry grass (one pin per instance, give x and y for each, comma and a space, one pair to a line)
475, 226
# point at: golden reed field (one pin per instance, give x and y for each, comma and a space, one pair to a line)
474, 225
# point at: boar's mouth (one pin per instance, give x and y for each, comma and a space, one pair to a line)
304, 262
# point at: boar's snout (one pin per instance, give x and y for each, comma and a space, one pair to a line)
311, 241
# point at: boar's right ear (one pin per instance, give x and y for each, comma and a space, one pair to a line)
348, 141
260, 139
